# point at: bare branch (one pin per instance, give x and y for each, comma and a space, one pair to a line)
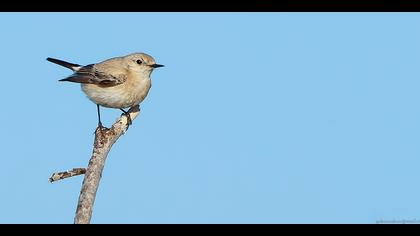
104, 139
67, 174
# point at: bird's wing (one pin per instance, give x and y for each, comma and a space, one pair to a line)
91, 74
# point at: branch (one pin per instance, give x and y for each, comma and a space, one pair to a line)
104, 139
67, 174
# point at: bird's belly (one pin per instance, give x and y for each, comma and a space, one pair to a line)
120, 96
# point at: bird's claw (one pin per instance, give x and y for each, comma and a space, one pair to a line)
129, 120
101, 128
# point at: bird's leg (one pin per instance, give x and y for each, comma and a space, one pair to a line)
127, 114
100, 126
99, 117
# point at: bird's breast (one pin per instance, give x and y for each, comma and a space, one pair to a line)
125, 95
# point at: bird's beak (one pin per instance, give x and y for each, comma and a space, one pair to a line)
156, 65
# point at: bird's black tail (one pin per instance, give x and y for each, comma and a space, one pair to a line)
69, 65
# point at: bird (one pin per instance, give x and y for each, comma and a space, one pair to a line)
119, 82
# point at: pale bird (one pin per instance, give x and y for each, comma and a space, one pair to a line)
120, 82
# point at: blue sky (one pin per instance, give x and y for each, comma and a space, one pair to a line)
256, 118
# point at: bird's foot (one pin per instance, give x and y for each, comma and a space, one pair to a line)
127, 114
101, 128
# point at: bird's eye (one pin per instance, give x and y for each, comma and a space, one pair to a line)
139, 62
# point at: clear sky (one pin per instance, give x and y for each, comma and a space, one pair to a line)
256, 118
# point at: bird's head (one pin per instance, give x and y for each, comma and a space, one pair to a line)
141, 62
